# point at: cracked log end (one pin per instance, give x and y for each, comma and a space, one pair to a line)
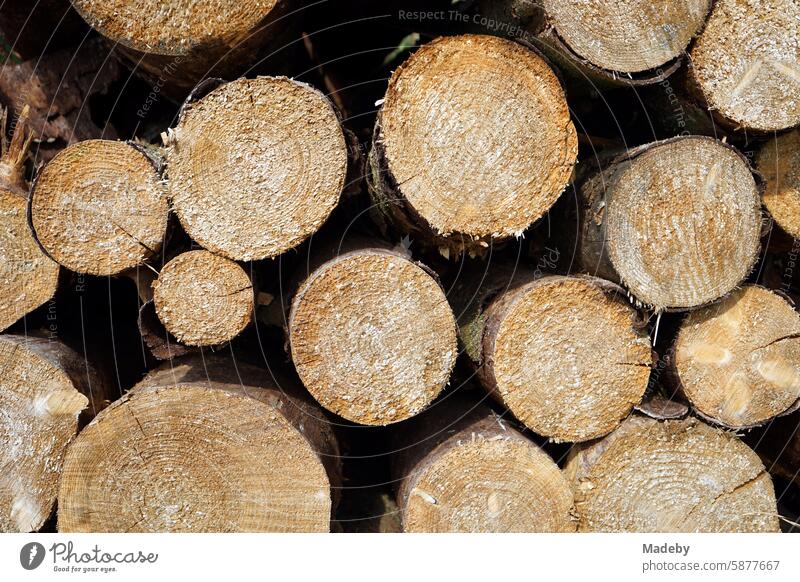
671, 476
484, 477
628, 37
256, 166
456, 129
99, 207
28, 277
737, 359
42, 389
203, 299
779, 163
240, 457
174, 28
562, 354
692, 233
746, 63
372, 336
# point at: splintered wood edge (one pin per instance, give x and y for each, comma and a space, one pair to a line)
666, 273
487, 478
745, 64
372, 336
203, 299
671, 476
736, 360
256, 166
528, 338
41, 406
644, 37
149, 26
779, 164
517, 94
234, 464
99, 207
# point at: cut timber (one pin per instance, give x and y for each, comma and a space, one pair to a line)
372, 336
99, 207
671, 476
464, 469
61, 88
256, 166
203, 299
678, 222
181, 42
779, 163
202, 445
28, 277
562, 354
44, 388
632, 36
452, 162
746, 64
778, 445
738, 361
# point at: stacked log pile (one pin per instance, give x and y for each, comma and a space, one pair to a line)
478, 303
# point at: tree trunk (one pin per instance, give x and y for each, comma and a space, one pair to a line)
462, 468
44, 388
256, 166
177, 46
28, 277
451, 162
99, 207
244, 455
687, 237
567, 356
671, 476
59, 88
745, 65
779, 164
372, 335
737, 360
203, 299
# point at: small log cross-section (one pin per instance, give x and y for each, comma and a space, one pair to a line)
202, 445
44, 387
779, 163
632, 36
256, 166
372, 336
452, 161
738, 361
678, 222
99, 207
203, 299
746, 64
671, 476
28, 277
467, 470
562, 354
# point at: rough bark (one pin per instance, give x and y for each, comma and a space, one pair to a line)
462, 468
244, 455
568, 356
737, 360
291, 161
203, 299
28, 277
371, 335
44, 388
99, 207
451, 163
671, 476
687, 238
